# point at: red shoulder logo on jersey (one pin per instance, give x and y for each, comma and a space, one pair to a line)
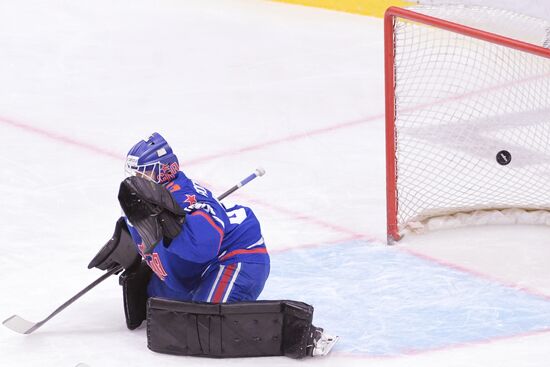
168, 172
191, 199
153, 260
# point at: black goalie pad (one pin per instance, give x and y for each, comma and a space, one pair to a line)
243, 329
134, 293
151, 209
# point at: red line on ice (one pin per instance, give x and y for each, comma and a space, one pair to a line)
60, 138
311, 245
300, 216
361, 121
71, 141
473, 272
49, 134
283, 139
304, 217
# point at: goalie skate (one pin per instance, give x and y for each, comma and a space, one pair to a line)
322, 343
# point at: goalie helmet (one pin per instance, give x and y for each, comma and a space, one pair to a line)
153, 159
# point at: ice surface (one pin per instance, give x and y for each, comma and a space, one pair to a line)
396, 302
235, 85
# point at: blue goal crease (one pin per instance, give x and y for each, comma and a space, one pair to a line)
384, 302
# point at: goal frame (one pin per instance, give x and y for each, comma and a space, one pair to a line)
389, 55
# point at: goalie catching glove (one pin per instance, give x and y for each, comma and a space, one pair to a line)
151, 209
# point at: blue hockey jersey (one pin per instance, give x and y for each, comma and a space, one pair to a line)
211, 235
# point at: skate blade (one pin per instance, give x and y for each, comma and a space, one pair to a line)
325, 347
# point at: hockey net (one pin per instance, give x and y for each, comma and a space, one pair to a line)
467, 118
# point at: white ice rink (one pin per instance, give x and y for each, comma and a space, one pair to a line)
234, 85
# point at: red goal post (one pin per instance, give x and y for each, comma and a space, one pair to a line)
395, 219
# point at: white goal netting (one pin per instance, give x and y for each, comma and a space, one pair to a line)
472, 118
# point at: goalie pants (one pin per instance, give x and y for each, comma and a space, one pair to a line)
233, 282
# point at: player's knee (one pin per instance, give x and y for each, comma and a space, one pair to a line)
159, 288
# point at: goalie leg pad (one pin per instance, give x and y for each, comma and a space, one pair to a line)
134, 291
242, 329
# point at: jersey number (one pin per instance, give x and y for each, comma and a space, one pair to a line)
236, 216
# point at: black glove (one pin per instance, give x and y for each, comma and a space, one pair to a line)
119, 250
151, 209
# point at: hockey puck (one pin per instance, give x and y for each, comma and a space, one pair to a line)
504, 157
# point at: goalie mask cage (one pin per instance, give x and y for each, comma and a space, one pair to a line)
467, 114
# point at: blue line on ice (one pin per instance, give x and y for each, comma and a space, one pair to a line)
384, 302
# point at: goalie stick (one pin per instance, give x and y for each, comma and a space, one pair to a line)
22, 326
259, 172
